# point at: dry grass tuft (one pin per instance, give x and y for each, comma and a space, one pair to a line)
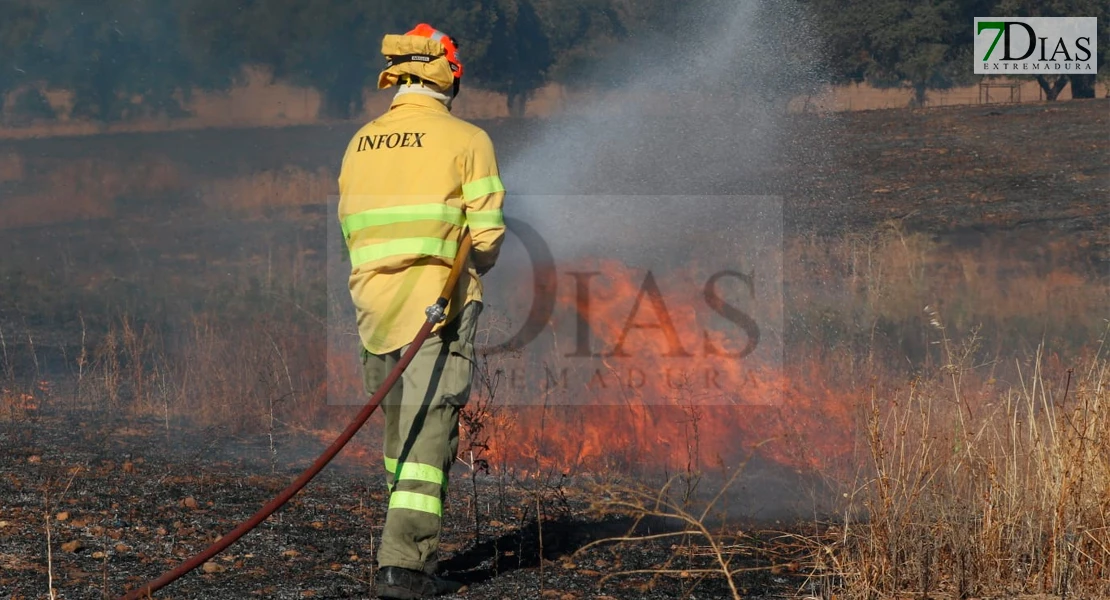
967, 484
86, 189
11, 167
94, 189
966, 487
889, 273
972, 492
692, 530
288, 187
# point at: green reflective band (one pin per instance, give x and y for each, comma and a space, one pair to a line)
420, 246
391, 465
481, 187
419, 472
485, 218
415, 501
401, 214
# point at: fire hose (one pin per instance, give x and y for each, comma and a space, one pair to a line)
435, 314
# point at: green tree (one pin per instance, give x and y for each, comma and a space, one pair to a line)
120, 58
332, 51
139, 49
328, 48
217, 34
1082, 86
925, 44
21, 56
580, 34
517, 56
29, 106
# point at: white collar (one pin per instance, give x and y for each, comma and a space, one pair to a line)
409, 88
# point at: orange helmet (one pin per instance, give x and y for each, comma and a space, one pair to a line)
452, 55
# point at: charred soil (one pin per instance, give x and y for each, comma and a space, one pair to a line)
91, 508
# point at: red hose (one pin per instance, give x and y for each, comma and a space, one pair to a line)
172, 575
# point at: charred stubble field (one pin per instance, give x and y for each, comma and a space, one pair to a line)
120, 509
131, 437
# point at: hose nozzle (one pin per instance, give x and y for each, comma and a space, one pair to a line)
436, 312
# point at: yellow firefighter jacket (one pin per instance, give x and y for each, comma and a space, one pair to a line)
411, 180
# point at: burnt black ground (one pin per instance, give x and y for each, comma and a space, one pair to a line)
1033, 166
1018, 176
1022, 178
130, 504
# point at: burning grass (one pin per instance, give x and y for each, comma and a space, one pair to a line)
979, 474
962, 490
979, 469
919, 463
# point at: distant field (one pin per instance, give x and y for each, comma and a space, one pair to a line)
141, 219
171, 298
261, 103
1038, 165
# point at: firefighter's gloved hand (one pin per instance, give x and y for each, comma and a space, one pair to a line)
482, 269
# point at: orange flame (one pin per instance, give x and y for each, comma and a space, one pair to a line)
660, 387
661, 384
18, 401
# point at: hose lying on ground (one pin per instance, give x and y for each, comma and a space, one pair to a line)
435, 314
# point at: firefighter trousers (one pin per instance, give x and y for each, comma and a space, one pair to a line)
422, 437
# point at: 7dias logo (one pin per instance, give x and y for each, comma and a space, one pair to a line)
1036, 45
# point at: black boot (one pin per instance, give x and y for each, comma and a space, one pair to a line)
396, 583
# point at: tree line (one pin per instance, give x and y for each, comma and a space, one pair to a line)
127, 58
927, 44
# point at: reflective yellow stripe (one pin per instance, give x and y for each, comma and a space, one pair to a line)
401, 214
485, 218
420, 472
420, 246
481, 187
415, 501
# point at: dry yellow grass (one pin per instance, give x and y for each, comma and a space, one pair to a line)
866, 97
968, 483
982, 491
260, 102
90, 188
891, 273
965, 487
87, 189
290, 186
11, 167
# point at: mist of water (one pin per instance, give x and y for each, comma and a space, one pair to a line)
700, 112
681, 161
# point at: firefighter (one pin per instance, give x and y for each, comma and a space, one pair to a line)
411, 182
